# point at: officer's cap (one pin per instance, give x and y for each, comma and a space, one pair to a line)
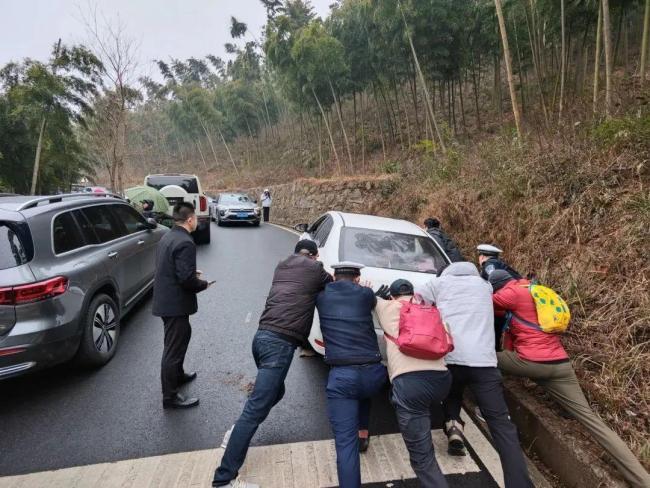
488, 250
347, 268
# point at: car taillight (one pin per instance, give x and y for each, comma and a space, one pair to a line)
33, 292
6, 296
203, 203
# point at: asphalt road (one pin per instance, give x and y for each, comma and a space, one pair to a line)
67, 417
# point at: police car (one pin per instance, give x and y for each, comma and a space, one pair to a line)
389, 249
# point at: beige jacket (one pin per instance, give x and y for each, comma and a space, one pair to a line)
398, 363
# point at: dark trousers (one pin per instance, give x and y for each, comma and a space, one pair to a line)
413, 395
177, 337
349, 389
273, 356
265, 213
487, 386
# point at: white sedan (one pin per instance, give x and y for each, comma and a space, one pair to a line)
389, 249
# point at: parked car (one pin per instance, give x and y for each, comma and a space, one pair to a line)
181, 187
390, 249
70, 267
236, 207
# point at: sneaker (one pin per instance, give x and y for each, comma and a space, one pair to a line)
456, 441
226, 437
241, 484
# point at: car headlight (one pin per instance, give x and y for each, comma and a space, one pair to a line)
222, 212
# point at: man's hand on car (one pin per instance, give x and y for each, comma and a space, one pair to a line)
383, 292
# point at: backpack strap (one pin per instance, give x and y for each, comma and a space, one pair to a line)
523, 321
390, 337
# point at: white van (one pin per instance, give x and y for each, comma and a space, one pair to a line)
177, 188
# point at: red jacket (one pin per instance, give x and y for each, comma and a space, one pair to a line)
529, 343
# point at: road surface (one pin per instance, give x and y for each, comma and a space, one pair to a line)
65, 417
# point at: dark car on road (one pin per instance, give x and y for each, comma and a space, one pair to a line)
236, 207
70, 267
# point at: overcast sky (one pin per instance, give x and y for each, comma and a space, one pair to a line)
163, 28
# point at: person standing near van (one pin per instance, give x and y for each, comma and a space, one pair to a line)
176, 284
266, 201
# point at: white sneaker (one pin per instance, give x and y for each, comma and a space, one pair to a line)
226, 438
241, 484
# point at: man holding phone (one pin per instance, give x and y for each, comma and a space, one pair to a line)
176, 283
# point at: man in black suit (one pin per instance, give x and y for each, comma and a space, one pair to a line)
176, 284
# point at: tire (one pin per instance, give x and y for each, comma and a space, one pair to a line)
202, 236
219, 222
256, 223
101, 332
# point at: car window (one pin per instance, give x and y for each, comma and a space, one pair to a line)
12, 251
66, 235
106, 227
85, 227
323, 231
129, 217
390, 250
187, 183
233, 199
313, 228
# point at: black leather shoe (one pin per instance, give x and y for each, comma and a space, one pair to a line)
364, 442
187, 377
179, 401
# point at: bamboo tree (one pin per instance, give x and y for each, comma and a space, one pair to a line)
607, 41
599, 33
506, 55
563, 61
644, 40
329, 132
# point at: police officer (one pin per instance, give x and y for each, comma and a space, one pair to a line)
356, 374
489, 260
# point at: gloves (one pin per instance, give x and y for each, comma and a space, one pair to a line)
383, 292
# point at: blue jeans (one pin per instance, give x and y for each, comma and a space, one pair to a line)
349, 389
273, 356
413, 395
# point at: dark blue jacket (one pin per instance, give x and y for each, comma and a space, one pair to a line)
345, 311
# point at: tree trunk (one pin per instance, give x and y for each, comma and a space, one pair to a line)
329, 132
475, 84
337, 106
644, 40
607, 41
462, 104
223, 139
198, 146
599, 33
423, 81
563, 62
506, 55
37, 158
531, 40
207, 135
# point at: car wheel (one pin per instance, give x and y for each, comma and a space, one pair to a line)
219, 222
203, 236
101, 331
256, 223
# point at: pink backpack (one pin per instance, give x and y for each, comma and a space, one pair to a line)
422, 333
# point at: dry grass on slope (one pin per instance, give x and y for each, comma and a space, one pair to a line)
577, 213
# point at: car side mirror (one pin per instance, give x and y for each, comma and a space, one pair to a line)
301, 227
150, 224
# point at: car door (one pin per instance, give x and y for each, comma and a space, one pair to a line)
121, 250
146, 241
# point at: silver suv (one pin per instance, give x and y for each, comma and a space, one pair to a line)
70, 267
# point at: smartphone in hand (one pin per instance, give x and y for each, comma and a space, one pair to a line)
210, 283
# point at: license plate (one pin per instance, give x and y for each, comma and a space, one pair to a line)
242, 215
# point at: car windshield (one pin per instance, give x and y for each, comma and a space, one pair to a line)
390, 250
187, 183
233, 199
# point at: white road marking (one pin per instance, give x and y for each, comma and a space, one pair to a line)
285, 229
248, 317
483, 449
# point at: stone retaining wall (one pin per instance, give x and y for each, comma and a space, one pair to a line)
304, 200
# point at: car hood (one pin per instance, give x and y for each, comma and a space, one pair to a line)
238, 205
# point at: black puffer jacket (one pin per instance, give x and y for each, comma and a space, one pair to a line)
290, 305
447, 244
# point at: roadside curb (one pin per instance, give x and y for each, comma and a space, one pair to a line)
553, 441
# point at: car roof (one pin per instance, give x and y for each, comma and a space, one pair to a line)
14, 203
172, 174
374, 222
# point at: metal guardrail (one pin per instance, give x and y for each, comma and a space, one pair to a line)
59, 198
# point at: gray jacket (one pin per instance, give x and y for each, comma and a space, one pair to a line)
465, 303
